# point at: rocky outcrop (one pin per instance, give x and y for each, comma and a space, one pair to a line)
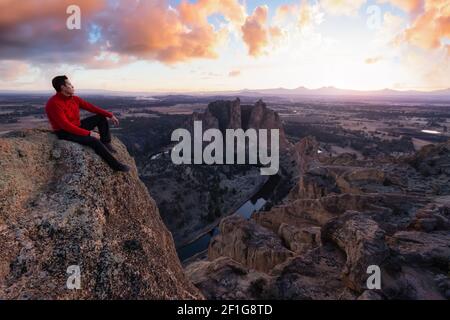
306, 153
253, 246
433, 217
313, 275
423, 249
432, 159
61, 205
259, 116
227, 114
345, 215
363, 242
301, 239
224, 278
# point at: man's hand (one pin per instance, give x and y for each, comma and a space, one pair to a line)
95, 135
114, 120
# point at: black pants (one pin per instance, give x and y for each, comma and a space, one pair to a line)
105, 137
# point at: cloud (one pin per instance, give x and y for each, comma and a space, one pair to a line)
234, 73
342, 7
285, 11
11, 70
391, 29
309, 15
430, 27
37, 30
13, 11
114, 32
416, 43
149, 30
303, 14
195, 12
256, 34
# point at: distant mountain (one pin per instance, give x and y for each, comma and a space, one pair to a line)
332, 91
280, 92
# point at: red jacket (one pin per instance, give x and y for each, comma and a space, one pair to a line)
64, 113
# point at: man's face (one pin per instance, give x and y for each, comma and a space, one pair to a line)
68, 88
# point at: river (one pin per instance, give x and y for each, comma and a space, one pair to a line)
254, 204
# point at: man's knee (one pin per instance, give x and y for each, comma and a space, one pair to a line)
101, 118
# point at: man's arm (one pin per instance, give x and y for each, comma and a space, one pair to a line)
59, 117
91, 108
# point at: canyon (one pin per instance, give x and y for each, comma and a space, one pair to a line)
342, 216
215, 190
330, 216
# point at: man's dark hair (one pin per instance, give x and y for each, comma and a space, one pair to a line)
59, 81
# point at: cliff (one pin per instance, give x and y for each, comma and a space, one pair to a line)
343, 216
61, 205
227, 114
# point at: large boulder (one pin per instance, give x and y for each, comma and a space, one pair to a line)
62, 206
363, 242
224, 278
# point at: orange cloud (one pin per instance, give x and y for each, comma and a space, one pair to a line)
12, 11
193, 13
150, 30
256, 33
304, 14
36, 30
284, 11
430, 27
127, 30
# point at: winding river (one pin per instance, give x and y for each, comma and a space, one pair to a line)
254, 204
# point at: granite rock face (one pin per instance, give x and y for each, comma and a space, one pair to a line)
61, 205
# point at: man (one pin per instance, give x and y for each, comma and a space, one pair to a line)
63, 112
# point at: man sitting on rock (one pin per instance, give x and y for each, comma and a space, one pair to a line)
63, 112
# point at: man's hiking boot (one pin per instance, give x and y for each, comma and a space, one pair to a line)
109, 146
122, 167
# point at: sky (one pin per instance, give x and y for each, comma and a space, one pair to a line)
215, 45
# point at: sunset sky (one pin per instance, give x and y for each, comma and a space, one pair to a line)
207, 45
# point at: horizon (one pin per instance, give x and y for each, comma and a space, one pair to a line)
185, 46
350, 92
